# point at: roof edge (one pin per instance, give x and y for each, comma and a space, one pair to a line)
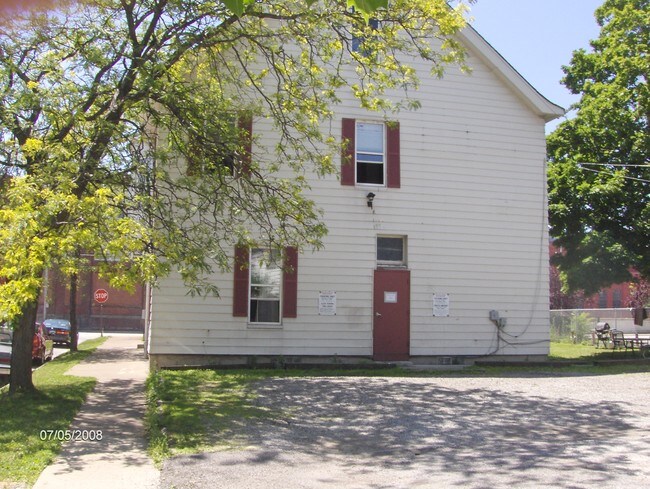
481, 48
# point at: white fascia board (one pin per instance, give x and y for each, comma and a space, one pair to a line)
479, 47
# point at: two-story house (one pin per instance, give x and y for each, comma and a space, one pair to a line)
437, 244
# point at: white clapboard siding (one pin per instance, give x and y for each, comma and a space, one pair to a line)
472, 203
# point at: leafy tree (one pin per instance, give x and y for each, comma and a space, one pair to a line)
599, 176
99, 99
639, 294
558, 297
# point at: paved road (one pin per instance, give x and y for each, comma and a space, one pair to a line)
375, 433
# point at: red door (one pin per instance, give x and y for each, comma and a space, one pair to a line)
391, 315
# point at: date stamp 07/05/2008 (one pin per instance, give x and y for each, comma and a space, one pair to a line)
71, 435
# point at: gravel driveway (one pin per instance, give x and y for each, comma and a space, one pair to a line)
466, 432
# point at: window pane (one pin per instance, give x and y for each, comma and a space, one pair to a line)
370, 158
265, 267
265, 311
390, 249
356, 44
265, 292
265, 276
370, 137
370, 173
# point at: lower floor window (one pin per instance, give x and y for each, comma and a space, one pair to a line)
265, 286
265, 311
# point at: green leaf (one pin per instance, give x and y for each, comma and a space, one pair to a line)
367, 7
237, 7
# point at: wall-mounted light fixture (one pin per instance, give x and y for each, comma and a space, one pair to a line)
369, 198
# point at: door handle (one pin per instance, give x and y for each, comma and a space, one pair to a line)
378, 314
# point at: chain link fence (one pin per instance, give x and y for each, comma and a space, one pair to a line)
577, 325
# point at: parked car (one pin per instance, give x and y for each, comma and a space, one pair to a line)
42, 347
59, 330
5, 352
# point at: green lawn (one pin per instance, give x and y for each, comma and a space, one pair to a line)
194, 410
23, 454
571, 351
586, 352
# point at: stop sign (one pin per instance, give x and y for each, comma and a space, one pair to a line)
101, 296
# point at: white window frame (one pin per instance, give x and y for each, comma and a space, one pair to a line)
253, 263
384, 155
403, 263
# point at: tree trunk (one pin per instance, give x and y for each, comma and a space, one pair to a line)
20, 376
74, 328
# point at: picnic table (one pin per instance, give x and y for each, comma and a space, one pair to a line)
631, 341
602, 333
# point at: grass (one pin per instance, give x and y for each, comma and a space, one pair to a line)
191, 411
580, 351
588, 353
23, 455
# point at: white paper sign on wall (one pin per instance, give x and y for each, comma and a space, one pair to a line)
327, 303
441, 305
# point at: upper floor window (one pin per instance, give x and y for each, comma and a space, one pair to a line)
358, 42
221, 147
370, 153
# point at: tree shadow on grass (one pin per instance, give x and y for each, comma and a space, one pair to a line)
25, 446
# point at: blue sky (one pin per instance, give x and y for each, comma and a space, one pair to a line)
537, 37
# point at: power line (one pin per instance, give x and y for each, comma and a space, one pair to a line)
614, 174
623, 165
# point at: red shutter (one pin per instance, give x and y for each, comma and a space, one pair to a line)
347, 154
392, 159
290, 283
240, 289
245, 125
